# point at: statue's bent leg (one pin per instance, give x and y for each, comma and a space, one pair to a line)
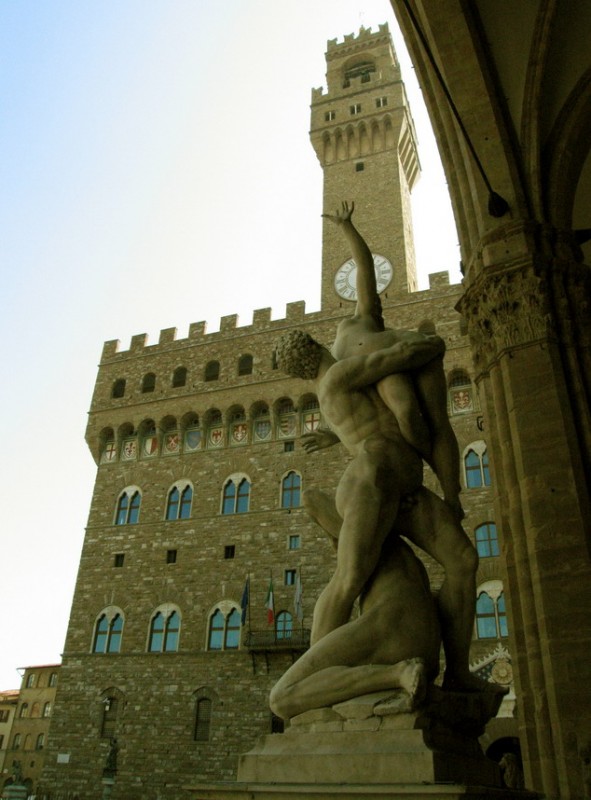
368, 498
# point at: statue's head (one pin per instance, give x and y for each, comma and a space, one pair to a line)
298, 354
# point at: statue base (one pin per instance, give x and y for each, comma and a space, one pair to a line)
374, 746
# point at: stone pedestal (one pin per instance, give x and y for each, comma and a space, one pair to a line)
374, 746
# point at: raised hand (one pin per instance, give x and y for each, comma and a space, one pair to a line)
344, 215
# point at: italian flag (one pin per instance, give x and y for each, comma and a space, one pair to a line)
270, 603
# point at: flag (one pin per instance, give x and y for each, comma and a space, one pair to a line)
270, 603
297, 599
245, 599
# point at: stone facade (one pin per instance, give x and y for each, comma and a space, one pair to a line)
27, 735
151, 656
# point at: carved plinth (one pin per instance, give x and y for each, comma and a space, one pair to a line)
374, 746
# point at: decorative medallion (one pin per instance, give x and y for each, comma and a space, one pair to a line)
311, 420
287, 426
129, 449
193, 439
461, 401
239, 433
262, 429
110, 452
171, 443
216, 437
150, 445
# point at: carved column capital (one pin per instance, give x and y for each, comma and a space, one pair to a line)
505, 309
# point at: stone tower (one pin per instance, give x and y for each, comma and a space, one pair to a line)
199, 481
363, 134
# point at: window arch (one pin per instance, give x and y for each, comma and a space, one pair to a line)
224, 627
476, 468
148, 382
53, 679
203, 709
180, 498
236, 494
118, 389
112, 700
487, 542
164, 630
128, 506
245, 364
108, 631
40, 742
291, 487
16, 742
31, 680
47, 709
24, 711
212, 371
179, 377
36, 710
283, 625
460, 392
491, 615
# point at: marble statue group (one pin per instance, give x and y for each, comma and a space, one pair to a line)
382, 394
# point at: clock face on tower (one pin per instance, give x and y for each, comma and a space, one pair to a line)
345, 281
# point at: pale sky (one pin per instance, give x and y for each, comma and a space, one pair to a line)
155, 170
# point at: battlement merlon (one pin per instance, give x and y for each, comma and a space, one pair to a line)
229, 328
365, 35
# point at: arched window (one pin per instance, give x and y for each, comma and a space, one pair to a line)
224, 628
179, 502
110, 704
491, 615
215, 431
31, 680
148, 383
236, 495
283, 625
202, 719
164, 631
53, 679
476, 470
118, 389
47, 709
24, 711
212, 371
487, 543
179, 377
16, 742
460, 392
245, 365
36, 710
39, 744
128, 507
291, 490
108, 632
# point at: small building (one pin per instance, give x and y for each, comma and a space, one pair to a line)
30, 711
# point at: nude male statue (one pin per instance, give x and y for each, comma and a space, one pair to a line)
417, 399
384, 469
393, 644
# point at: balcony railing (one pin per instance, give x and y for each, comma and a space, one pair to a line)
277, 640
